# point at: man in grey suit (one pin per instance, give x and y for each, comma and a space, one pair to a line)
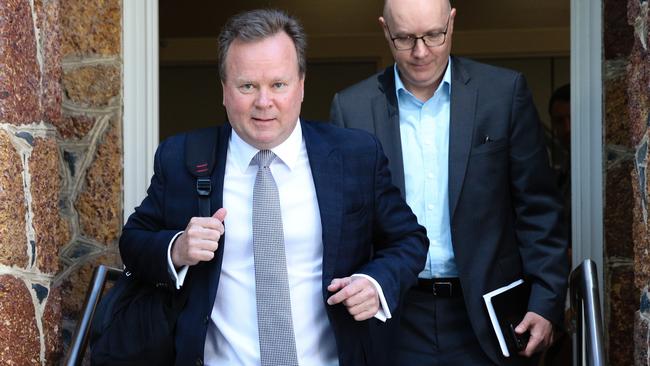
466, 148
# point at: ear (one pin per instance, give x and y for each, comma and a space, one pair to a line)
382, 23
223, 93
302, 89
452, 16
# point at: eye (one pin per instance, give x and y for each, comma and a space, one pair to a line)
435, 35
403, 38
279, 85
246, 87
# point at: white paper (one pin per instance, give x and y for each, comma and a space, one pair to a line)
493, 316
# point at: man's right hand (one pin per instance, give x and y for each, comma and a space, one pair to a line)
199, 241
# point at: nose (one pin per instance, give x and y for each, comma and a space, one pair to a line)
263, 99
420, 49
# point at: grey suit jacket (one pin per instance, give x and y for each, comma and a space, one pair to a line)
506, 213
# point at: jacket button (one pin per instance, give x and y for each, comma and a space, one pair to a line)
207, 319
199, 362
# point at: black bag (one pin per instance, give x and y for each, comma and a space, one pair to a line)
134, 322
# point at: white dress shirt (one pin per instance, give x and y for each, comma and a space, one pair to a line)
424, 131
232, 336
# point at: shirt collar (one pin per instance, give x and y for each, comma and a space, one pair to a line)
288, 151
446, 80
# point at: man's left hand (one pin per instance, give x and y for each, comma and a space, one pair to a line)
358, 295
540, 330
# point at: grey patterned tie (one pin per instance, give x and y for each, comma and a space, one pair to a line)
277, 342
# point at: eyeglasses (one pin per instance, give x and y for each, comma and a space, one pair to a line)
404, 43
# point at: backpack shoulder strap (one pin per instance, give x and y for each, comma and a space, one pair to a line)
200, 149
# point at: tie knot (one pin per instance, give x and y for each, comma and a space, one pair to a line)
263, 158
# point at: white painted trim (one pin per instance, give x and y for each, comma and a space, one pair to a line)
587, 134
140, 122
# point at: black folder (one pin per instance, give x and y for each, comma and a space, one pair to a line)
506, 307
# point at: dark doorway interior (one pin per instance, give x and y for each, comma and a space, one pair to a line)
346, 45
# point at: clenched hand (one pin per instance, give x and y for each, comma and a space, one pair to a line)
199, 241
541, 333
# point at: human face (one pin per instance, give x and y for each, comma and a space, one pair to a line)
263, 90
561, 120
421, 68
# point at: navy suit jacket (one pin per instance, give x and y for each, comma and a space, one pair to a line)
367, 228
505, 210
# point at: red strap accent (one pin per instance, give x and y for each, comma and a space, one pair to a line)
202, 168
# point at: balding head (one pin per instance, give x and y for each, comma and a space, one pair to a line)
421, 67
388, 4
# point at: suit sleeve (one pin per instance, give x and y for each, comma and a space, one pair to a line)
400, 243
539, 227
336, 116
145, 240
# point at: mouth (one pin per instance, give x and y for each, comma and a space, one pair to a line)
258, 119
420, 66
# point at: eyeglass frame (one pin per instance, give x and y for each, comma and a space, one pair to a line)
415, 39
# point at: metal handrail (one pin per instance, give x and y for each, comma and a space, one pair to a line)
588, 346
94, 294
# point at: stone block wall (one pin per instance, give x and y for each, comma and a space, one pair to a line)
638, 106
626, 83
60, 166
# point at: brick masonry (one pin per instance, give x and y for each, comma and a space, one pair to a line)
60, 167
20, 338
627, 239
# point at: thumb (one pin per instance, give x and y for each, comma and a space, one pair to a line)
524, 325
338, 283
220, 214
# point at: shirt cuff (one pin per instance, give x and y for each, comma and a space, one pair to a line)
178, 277
383, 313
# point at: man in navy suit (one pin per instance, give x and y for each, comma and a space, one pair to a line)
466, 149
353, 247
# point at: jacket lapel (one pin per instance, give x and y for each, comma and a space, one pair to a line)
385, 112
461, 130
326, 169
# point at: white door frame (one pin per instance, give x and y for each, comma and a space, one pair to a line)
140, 119
587, 167
140, 122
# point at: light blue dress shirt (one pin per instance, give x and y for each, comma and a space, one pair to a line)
424, 129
